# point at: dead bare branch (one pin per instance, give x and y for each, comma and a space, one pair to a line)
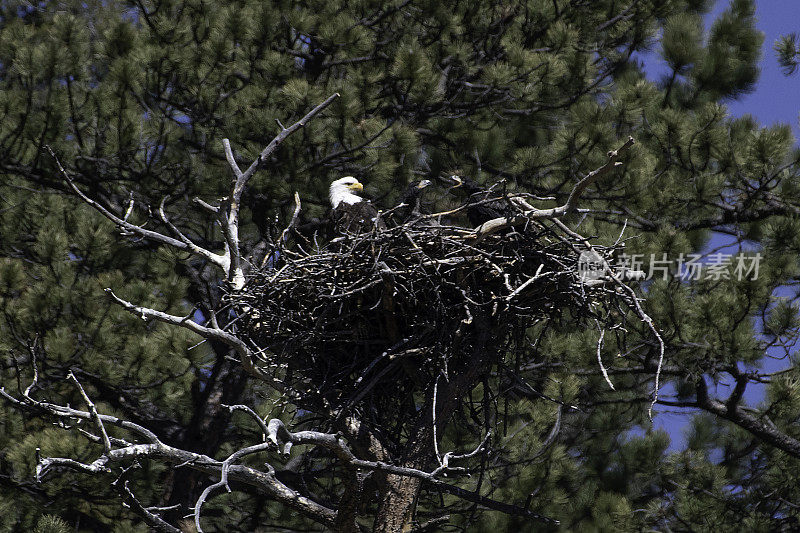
529, 212
93, 410
264, 482
188, 246
229, 215
186, 322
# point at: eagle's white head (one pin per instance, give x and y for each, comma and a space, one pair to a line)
342, 191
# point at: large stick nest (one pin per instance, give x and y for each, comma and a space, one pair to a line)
377, 315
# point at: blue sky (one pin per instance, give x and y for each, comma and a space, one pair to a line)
777, 97
775, 100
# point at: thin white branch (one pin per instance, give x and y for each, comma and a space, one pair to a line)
253, 415
223, 261
644, 317
35, 381
528, 212
223, 481
237, 172
526, 283
205, 205
43, 466
152, 519
592, 176
474, 452
293, 221
621, 233
450, 456
133, 228
433, 415
273, 145
130, 207
206, 332
600, 357
93, 411
229, 215
68, 412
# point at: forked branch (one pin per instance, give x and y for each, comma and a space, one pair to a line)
123, 223
227, 214
229, 217
213, 332
528, 212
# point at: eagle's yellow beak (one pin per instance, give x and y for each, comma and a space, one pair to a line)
356, 187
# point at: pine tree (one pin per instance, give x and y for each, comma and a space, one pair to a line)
135, 99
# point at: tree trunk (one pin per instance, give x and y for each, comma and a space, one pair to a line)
398, 494
347, 512
398, 501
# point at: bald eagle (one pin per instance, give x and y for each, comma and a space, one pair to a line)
479, 210
351, 213
412, 201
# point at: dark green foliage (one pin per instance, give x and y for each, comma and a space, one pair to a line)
787, 50
136, 97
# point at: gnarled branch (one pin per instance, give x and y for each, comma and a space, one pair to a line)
528, 212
